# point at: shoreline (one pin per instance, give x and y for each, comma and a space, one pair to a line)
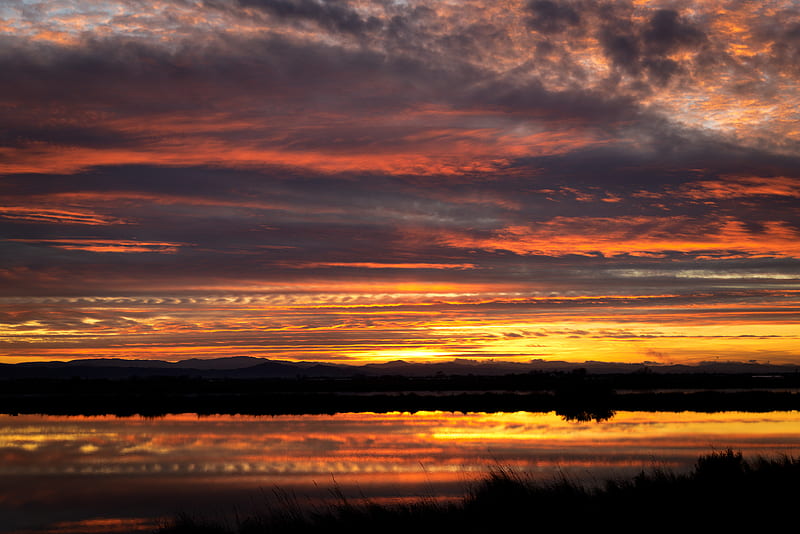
578, 396
580, 408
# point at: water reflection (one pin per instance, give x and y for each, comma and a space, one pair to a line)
70, 473
583, 415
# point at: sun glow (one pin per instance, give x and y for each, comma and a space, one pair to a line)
414, 355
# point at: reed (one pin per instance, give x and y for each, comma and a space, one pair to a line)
723, 491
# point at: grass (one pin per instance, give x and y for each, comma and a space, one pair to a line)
722, 491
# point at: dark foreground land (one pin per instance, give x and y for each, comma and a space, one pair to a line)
724, 492
575, 395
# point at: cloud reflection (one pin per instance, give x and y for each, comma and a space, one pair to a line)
62, 470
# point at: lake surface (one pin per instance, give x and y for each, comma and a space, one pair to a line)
76, 475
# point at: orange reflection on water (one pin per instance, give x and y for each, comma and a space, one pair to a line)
55, 470
369, 443
101, 526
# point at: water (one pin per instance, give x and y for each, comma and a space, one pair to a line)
76, 475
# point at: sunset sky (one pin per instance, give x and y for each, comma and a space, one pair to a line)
371, 180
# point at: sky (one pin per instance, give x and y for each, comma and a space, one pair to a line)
370, 180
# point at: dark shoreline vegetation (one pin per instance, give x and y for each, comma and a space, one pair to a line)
723, 490
575, 395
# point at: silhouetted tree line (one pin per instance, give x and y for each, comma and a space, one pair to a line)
535, 381
574, 395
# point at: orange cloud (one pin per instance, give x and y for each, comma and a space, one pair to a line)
743, 186
634, 236
84, 198
378, 265
106, 245
57, 216
59, 159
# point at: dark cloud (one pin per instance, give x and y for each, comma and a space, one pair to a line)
622, 48
667, 31
552, 17
329, 14
531, 97
643, 48
466, 159
784, 42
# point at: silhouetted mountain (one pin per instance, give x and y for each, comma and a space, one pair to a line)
455, 367
284, 369
113, 362
251, 367
235, 362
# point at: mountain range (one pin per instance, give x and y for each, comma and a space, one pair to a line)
251, 367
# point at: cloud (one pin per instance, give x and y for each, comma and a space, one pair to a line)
633, 236
56, 216
104, 245
469, 162
327, 14
651, 45
552, 17
378, 265
743, 186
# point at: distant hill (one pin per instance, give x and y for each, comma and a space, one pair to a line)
251, 367
235, 362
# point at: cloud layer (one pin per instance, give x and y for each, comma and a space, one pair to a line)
372, 179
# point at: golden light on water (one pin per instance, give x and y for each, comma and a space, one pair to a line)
369, 443
133, 468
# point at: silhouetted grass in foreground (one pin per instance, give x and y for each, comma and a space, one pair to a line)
723, 491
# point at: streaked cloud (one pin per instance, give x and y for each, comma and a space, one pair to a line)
639, 236
56, 216
102, 246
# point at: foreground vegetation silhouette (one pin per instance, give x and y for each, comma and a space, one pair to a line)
723, 491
